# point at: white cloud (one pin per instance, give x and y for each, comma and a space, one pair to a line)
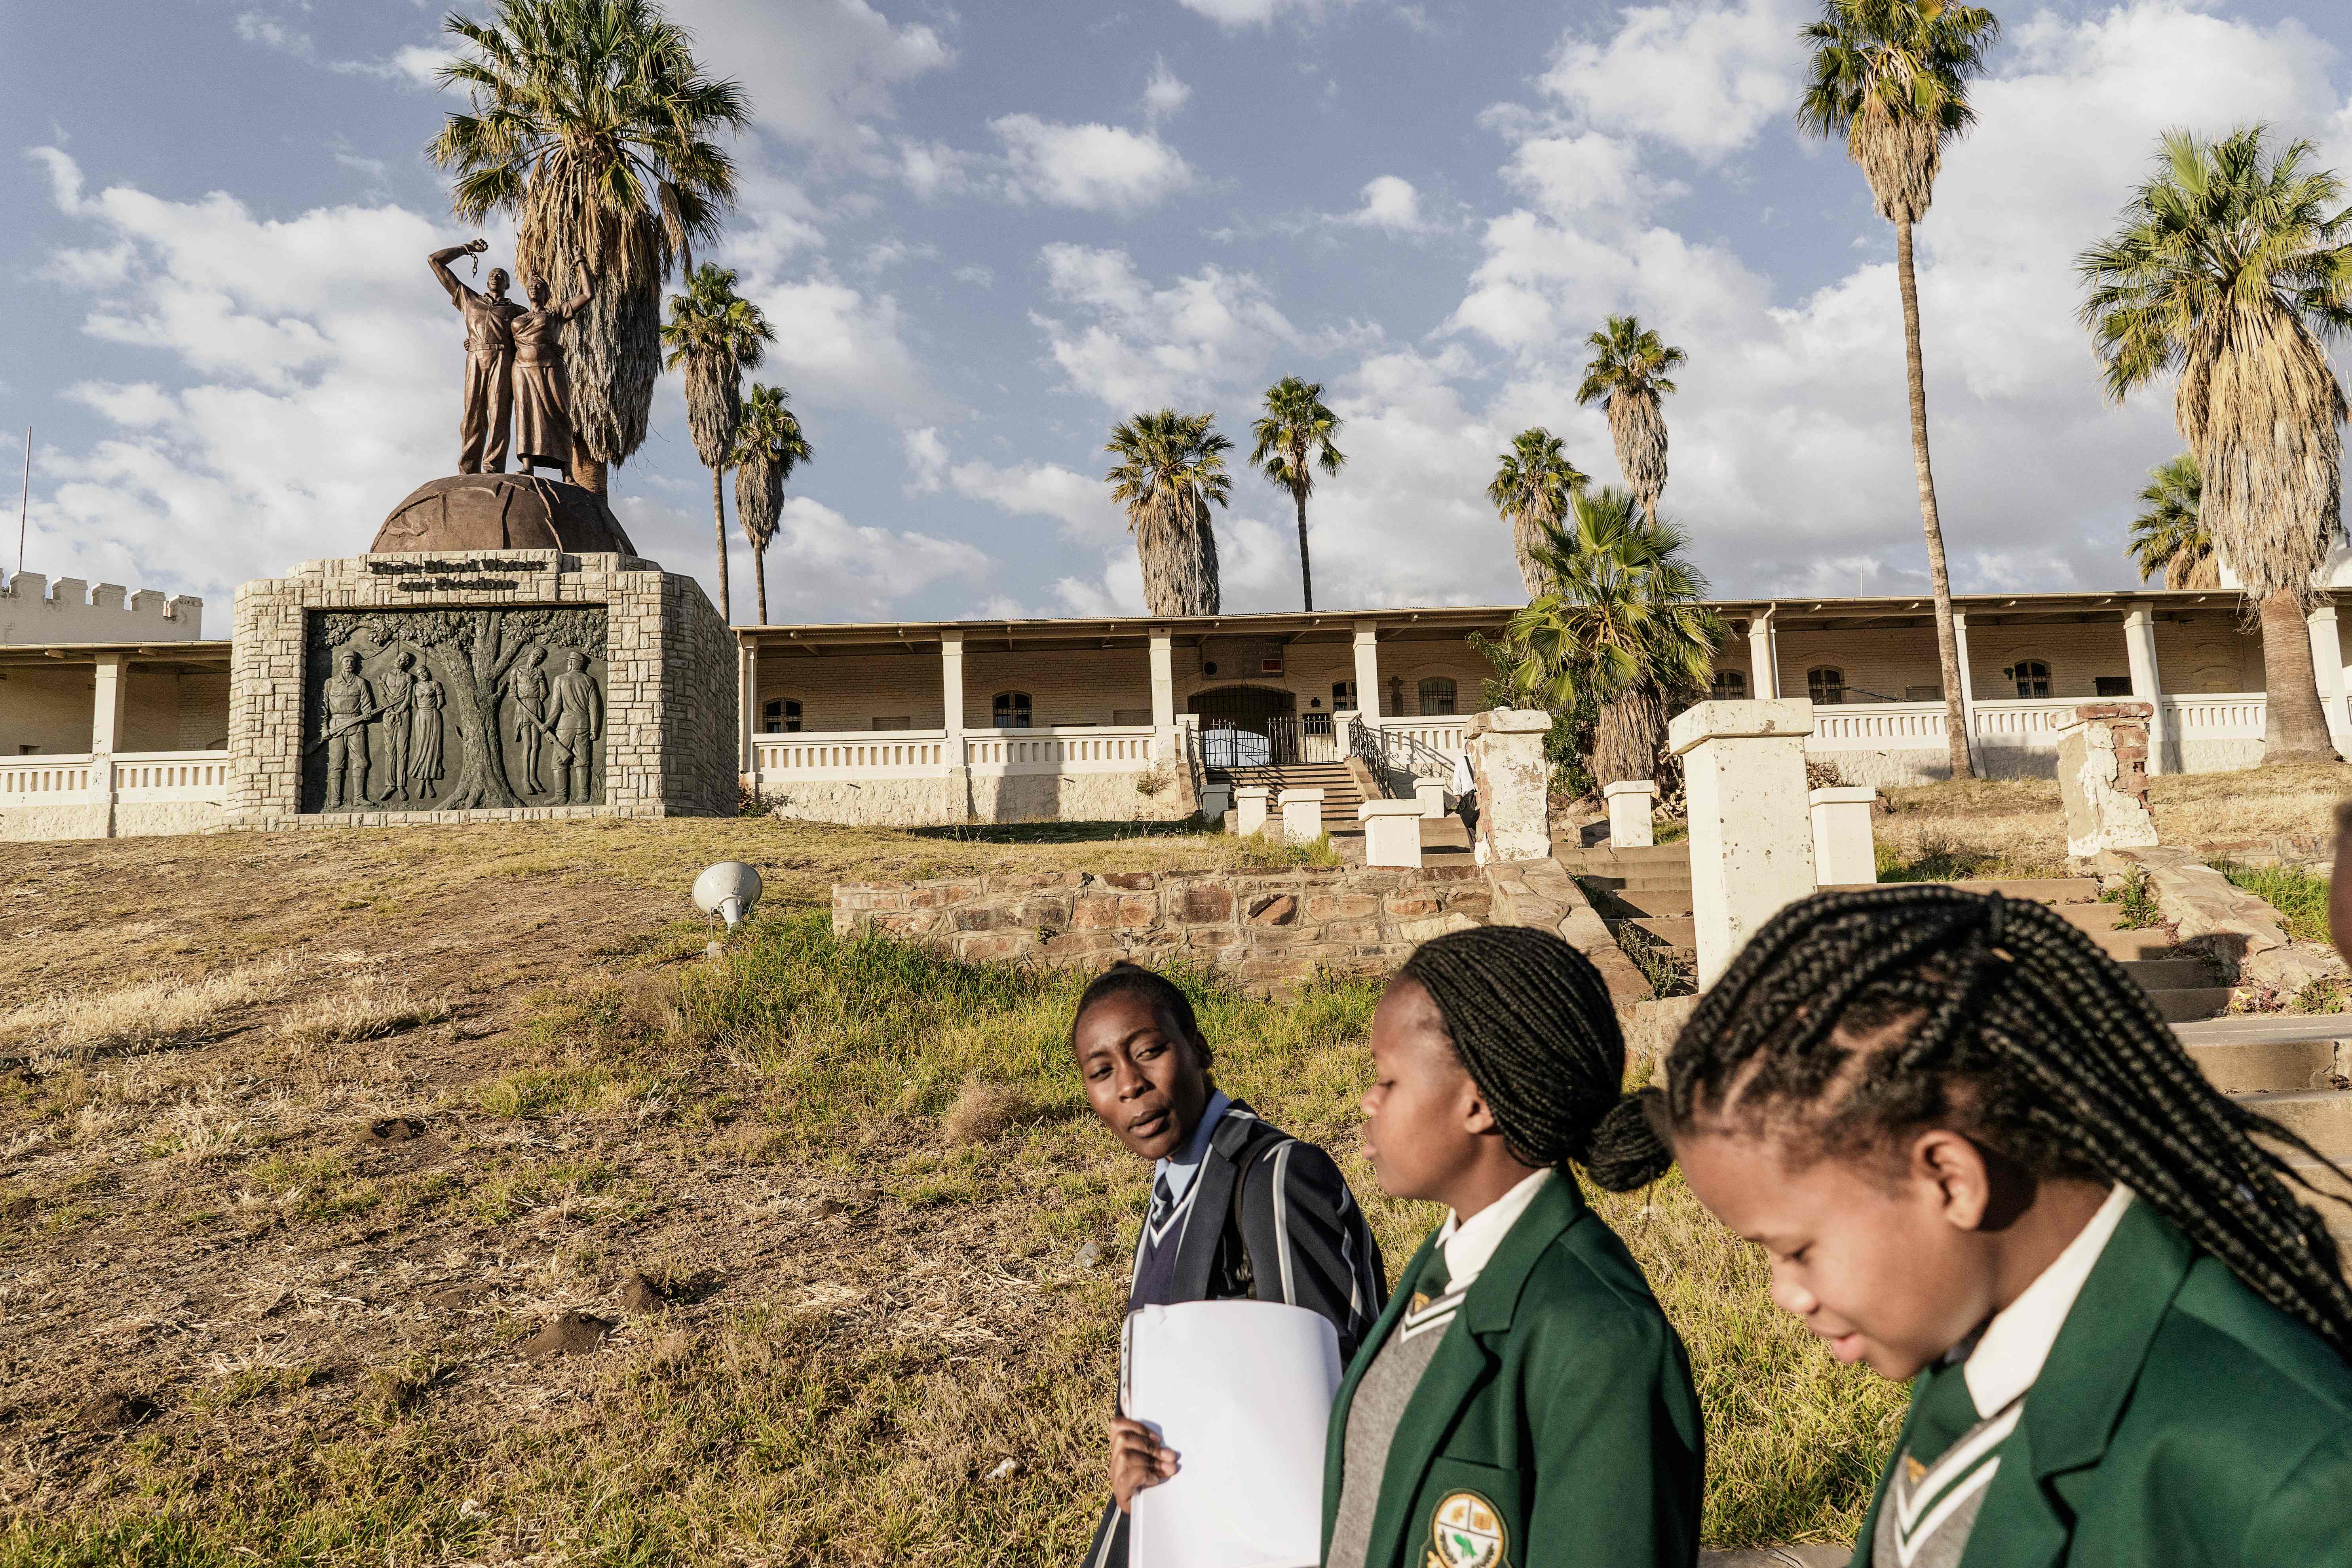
976, 274
927, 456
1236, 14
839, 570
1139, 346
254, 27
1701, 77
414, 65
1390, 202
1163, 95
1095, 168
816, 71
836, 344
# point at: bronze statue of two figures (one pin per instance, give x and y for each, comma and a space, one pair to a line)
514, 371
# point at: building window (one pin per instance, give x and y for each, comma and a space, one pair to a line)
1728, 686
781, 716
2111, 685
1436, 696
2033, 677
1010, 710
1343, 695
1396, 696
25, 751
1825, 684
895, 721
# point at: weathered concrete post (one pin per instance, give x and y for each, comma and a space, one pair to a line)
1506, 747
1249, 808
2103, 778
1751, 833
1633, 804
1302, 816
1845, 850
1392, 832
1431, 792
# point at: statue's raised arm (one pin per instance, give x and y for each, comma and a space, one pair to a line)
439, 261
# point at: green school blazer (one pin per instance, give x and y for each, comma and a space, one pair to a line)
1556, 1418
2180, 1420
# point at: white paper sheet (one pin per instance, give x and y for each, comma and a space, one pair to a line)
1242, 1390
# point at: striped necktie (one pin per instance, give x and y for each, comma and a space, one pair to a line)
1163, 1206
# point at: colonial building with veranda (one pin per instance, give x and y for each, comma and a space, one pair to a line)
1121, 719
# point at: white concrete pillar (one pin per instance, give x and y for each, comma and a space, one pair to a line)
1968, 686
107, 705
1507, 760
1632, 808
2139, 648
747, 704
1751, 833
1846, 849
1249, 808
1392, 832
1164, 695
951, 694
1367, 672
1432, 796
1302, 816
1764, 657
2327, 667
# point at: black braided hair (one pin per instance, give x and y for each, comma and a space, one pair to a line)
1853, 1018
1157, 990
1535, 1029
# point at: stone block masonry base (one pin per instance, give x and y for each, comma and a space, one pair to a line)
668, 715
1268, 929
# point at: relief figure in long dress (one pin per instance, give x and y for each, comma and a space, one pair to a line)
424, 701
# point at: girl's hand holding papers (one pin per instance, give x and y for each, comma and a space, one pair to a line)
1137, 1460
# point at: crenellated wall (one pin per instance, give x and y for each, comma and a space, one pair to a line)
35, 610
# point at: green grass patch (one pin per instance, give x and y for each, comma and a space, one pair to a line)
2136, 898
2300, 898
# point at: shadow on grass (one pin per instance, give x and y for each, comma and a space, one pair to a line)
1064, 832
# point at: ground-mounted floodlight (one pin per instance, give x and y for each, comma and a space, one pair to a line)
728, 889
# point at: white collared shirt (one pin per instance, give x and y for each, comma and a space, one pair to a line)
1180, 1167
2010, 1353
1469, 1243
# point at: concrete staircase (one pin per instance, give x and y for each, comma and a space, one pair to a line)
1340, 796
2294, 1071
1646, 889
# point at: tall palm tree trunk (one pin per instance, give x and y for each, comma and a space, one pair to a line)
589, 473
2294, 725
1305, 573
1948, 643
1625, 738
759, 568
719, 509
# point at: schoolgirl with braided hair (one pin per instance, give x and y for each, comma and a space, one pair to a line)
1522, 1401
1978, 1159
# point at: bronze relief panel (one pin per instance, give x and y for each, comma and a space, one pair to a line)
451, 709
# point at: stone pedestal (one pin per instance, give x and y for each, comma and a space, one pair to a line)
1431, 796
489, 684
1302, 816
1632, 808
1751, 833
1216, 799
1845, 850
2103, 759
1392, 832
1506, 747
1250, 807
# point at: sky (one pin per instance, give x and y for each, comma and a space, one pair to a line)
983, 236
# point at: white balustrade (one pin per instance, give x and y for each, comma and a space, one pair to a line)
2029, 721
1444, 734
134, 778
1094, 749
2220, 716
853, 754
1877, 727
49, 781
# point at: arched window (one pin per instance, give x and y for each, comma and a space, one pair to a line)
781, 716
1010, 710
1728, 686
1825, 684
1437, 696
2033, 677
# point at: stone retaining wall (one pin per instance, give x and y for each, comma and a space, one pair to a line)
1265, 928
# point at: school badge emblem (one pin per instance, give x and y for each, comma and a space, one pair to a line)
1466, 1533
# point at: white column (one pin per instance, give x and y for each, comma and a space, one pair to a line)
951, 693
1967, 684
2327, 667
2139, 647
1367, 672
1846, 849
1632, 809
1164, 695
1764, 657
107, 705
747, 705
1751, 833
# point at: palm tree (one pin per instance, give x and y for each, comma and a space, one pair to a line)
1891, 77
2170, 536
1628, 376
768, 446
2229, 268
592, 124
1295, 422
714, 335
1622, 625
1172, 466
1531, 489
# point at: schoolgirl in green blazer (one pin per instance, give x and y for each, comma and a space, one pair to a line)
1522, 1401
1980, 1161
